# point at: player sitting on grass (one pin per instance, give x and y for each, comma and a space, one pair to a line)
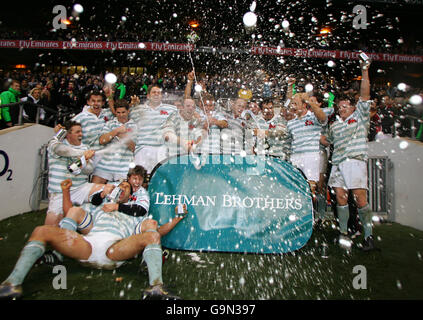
106, 241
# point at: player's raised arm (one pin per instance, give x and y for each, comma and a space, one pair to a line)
67, 202
314, 105
167, 227
365, 83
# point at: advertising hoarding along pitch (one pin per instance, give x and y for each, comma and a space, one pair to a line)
235, 204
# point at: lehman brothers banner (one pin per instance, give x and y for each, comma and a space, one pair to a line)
235, 204
186, 47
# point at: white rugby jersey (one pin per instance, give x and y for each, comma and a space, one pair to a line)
107, 115
325, 128
118, 158
233, 136
212, 143
187, 130
305, 133
140, 197
58, 168
349, 137
150, 123
250, 140
278, 138
91, 128
118, 223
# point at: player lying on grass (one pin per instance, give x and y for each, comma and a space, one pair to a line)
106, 241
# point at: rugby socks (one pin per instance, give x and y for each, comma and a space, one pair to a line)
152, 255
365, 215
343, 215
68, 224
32, 251
86, 222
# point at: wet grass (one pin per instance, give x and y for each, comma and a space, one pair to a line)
395, 272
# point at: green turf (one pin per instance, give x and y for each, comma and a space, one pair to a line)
393, 273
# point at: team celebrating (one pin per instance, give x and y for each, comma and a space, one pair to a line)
98, 211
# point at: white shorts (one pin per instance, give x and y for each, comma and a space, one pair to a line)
109, 176
100, 243
349, 174
323, 161
149, 157
308, 163
79, 196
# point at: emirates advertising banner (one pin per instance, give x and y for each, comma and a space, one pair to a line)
250, 204
187, 47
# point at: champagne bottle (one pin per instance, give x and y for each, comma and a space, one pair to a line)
75, 167
181, 211
114, 195
366, 60
60, 135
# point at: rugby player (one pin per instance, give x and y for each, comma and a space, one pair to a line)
348, 134
106, 240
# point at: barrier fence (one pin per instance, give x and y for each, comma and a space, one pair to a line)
409, 124
58, 114
43, 191
381, 186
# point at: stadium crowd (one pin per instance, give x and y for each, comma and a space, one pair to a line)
66, 94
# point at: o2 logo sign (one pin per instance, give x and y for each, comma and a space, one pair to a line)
4, 169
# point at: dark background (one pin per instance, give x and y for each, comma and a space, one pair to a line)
394, 27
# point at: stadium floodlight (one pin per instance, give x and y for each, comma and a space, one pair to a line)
110, 78
78, 8
415, 99
250, 19
309, 87
401, 86
325, 30
198, 88
194, 24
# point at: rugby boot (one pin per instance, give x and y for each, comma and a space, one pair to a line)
50, 258
8, 291
158, 292
369, 244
